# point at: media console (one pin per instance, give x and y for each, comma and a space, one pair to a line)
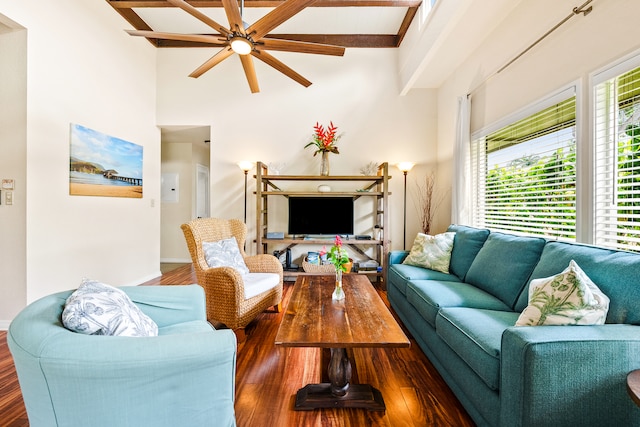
376, 187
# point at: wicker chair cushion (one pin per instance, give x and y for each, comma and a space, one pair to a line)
257, 283
224, 253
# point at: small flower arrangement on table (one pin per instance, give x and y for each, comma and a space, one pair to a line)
339, 257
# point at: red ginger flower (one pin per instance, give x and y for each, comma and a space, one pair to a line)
325, 139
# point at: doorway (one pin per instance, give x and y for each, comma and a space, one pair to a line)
185, 154
202, 191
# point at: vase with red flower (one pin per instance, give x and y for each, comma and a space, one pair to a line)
324, 140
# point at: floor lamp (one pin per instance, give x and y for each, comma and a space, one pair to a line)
246, 166
404, 168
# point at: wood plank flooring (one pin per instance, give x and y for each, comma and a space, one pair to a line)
268, 377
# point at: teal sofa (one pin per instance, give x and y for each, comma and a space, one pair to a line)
526, 376
183, 377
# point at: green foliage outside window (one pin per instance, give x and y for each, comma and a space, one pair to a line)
537, 191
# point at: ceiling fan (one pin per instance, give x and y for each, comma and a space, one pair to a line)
247, 40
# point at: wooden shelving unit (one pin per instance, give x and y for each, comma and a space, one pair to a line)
376, 186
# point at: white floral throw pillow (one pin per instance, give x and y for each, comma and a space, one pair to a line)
98, 309
224, 253
568, 298
433, 252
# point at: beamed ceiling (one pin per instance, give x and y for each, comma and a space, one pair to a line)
346, 23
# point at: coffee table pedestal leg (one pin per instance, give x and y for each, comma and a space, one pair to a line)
339, 393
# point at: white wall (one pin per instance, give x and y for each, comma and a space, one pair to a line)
176, 159
358, 92
13, 160
82, 68
580, 47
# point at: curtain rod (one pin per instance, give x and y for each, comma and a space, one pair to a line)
582, 9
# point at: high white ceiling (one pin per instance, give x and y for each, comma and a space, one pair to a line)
447, 31
361, 22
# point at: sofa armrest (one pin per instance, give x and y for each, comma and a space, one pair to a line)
568, 375
168, 305
396, 257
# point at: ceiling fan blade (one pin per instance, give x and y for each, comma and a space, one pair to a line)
201, 38
250, 72
200, 16
301, 47
233, 15
276, 17
278, 65
212, 62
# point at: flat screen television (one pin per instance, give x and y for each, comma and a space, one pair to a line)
321, 215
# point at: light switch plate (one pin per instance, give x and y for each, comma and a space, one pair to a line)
8, 197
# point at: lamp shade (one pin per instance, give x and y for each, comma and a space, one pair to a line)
405, 166
245, 165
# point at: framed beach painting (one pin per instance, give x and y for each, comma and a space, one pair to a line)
102, 165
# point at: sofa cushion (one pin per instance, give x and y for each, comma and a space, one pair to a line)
466, 245
617, 274
504, 264
568, 298
429, 296
432, 252
475, 335
399, 274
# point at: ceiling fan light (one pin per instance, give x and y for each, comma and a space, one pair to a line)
241, 46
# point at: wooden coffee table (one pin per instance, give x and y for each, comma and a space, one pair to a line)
362, 319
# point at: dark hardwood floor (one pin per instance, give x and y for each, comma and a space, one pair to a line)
268, 377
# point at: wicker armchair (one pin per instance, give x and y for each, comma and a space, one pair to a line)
224, 286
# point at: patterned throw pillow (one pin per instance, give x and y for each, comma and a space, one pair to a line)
98, 309
224, 253
432, 252
568, 298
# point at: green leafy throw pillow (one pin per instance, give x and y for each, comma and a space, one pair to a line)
432, 252
568, 298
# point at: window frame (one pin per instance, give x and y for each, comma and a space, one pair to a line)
605, 74
568, 91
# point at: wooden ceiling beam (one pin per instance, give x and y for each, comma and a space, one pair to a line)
344, 40
137, 22
404, 27
130, 4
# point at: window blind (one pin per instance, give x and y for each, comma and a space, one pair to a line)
617, 162
525, 174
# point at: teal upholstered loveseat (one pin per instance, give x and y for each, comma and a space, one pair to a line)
183, 377
527, 375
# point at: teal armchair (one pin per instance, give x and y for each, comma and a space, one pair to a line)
185, 376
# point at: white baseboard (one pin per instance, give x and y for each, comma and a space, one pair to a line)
176, 260
144, 279
4, 325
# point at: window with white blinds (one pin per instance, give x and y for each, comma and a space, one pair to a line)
524, 174
617, 162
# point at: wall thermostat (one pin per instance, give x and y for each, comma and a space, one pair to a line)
7, 184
